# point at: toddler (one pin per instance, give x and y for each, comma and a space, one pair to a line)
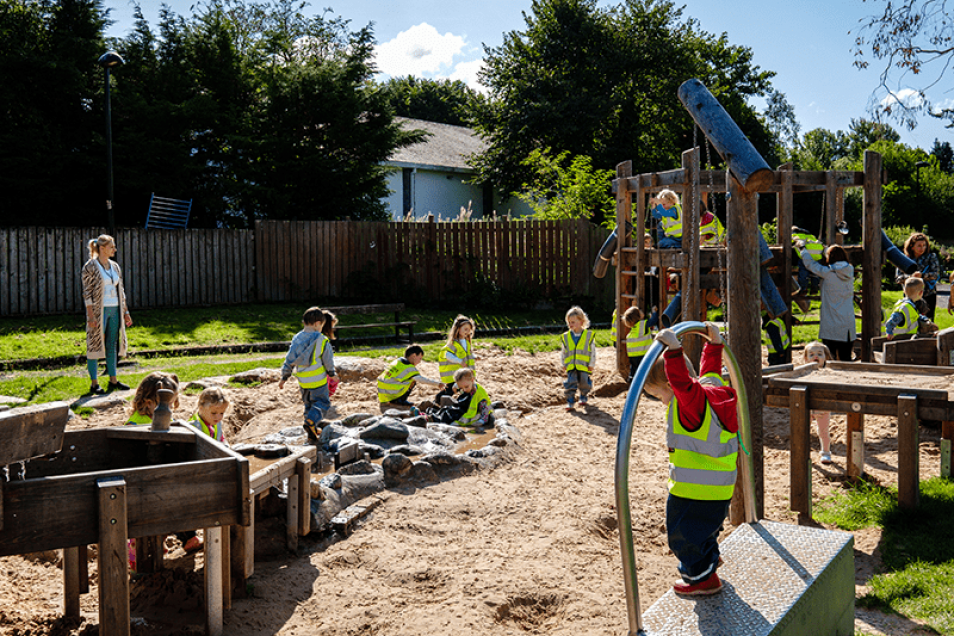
458, 352
904, 316
398, 380
311, 359
210, 412
578, 350
668, 213
638, 338
469, 404
146, 400
819, 354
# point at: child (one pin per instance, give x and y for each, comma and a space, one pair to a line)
458, 353
398, 380
578, 355
638, 338
668, 213
311, 358
470, 405
711, 230
779, 342
703, 445
209, 413
146, 400
819, 354
328, 331
904, 317
816, 249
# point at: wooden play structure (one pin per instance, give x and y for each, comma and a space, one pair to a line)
107, 485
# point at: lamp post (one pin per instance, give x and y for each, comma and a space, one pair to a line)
108, 60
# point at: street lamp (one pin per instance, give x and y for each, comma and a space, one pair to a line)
108, 60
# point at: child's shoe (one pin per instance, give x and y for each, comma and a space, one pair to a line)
569, 405
312, 428
706, 587
584, 400
193, 545
826, 458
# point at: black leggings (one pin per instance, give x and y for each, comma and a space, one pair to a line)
840, 349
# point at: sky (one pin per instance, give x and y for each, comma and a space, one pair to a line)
808, 43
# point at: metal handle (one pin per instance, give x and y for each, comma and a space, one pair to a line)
624, 445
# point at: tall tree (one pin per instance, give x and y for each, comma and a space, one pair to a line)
442, 101
913, 40
945, 156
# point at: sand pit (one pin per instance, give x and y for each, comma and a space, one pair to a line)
530, 546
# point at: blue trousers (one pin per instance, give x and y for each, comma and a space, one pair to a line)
110, 339
317, 403
693, 527
577, 380
669, 243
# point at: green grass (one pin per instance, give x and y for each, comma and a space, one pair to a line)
917, 554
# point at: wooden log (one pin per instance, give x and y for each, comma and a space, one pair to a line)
303, 470
785, 218
855, 444
800, 472
744, 161
113, 560
32, 431
871, 269
624, 212
213, 581
945, 347
71, 582
226, 573
149, 553
908, 473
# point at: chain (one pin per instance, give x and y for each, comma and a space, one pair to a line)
723, 267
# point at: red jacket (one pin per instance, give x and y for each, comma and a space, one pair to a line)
691, 395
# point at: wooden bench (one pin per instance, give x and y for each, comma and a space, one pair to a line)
395, 308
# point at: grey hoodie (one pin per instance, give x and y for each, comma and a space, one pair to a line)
837, 320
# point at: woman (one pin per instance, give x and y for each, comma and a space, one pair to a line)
918, 249
106, 313
837, 323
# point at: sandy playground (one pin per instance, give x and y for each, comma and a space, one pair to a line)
529, 547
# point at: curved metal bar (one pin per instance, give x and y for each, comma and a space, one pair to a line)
624, 445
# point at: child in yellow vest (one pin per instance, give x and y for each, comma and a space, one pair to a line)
311, 358
904, 316
458, 352
146, 399
470, 404
210, 411
578, 354
638, 339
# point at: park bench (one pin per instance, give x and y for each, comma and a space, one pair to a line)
395, 308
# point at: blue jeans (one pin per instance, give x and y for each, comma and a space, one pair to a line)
693, 527
806, 279
317, 402
110, 339
670, 243
577, 380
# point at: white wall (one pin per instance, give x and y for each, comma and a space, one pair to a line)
443, 194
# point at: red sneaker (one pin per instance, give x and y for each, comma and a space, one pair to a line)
192, 545
706, 587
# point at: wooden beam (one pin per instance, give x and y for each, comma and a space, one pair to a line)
303, 470
908, 473
855, 438
113, 559
32, 431
786, 211
801, 458
744, 161
213, 581
291, 514
871, 269
71, 582
624, 212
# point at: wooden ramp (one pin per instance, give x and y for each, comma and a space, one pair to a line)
778, 579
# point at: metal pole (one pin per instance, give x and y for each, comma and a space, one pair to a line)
110, 217
624, 444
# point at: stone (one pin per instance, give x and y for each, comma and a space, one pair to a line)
360, 467
406, 449
453, 432
9, 399
316, 491
418, 421
356, 419
396, 466
332, 481
374, 451
331, 433
498, 441
350, 369
422, 471
498, 405
386, 428
202, 384
258, 375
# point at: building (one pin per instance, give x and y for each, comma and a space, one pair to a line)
432, 177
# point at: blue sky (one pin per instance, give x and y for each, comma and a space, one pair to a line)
806, 42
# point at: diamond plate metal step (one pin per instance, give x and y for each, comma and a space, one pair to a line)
778, 580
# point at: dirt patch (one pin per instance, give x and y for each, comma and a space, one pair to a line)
528, 547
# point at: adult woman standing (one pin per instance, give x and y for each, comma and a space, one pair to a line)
837, 321
106, 314
918, 249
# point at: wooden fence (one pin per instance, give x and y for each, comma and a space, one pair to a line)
306, 261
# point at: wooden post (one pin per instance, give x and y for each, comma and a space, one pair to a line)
745, 330
871, 270
690, 247
149, 550
855, 444
303, 470
908, 474
801, 456
71, 582
832, 236
744, 161
624, 212
947, 434
113, 559
785, 221
291, 514
226, 573
213, 581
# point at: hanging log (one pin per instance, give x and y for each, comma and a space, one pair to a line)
744, 161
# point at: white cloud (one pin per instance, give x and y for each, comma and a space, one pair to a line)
908, 97
947, 104
418, 51
467, 73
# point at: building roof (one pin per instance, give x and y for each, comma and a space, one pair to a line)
447, 147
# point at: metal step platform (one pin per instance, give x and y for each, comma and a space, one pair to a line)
778, 579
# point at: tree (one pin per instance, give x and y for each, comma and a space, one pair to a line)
563, 189
914, 40
603, 83
945, 156
442, 101
780, 120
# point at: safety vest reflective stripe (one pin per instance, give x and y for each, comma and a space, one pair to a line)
813, 246
672, 226
783, 335
197, 421
578, 353
613, 327
396, 380
314, 375
639, 340
702, 463
138, 419
910, 313
714, 229
473, 410
446, 367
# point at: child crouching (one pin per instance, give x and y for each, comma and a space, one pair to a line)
701, 434
469, 404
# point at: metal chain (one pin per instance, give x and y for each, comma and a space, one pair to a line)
723, 285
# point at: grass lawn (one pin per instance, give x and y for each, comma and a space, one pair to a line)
918, 577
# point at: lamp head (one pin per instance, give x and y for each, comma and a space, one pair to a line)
922, 164
110, 59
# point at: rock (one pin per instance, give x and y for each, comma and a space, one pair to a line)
498, 405
454, 432
386, 428
405, 449
422, 471
418, 421
331, 433
498, 441
107, 401
373, 451
202, 384
244, 449
443, 459
9, 399
316, 491
268, 451
397, 414
350, 489
258, 375
395, 467
487, 451
332, 481
360, 467
350, 369
356, 419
